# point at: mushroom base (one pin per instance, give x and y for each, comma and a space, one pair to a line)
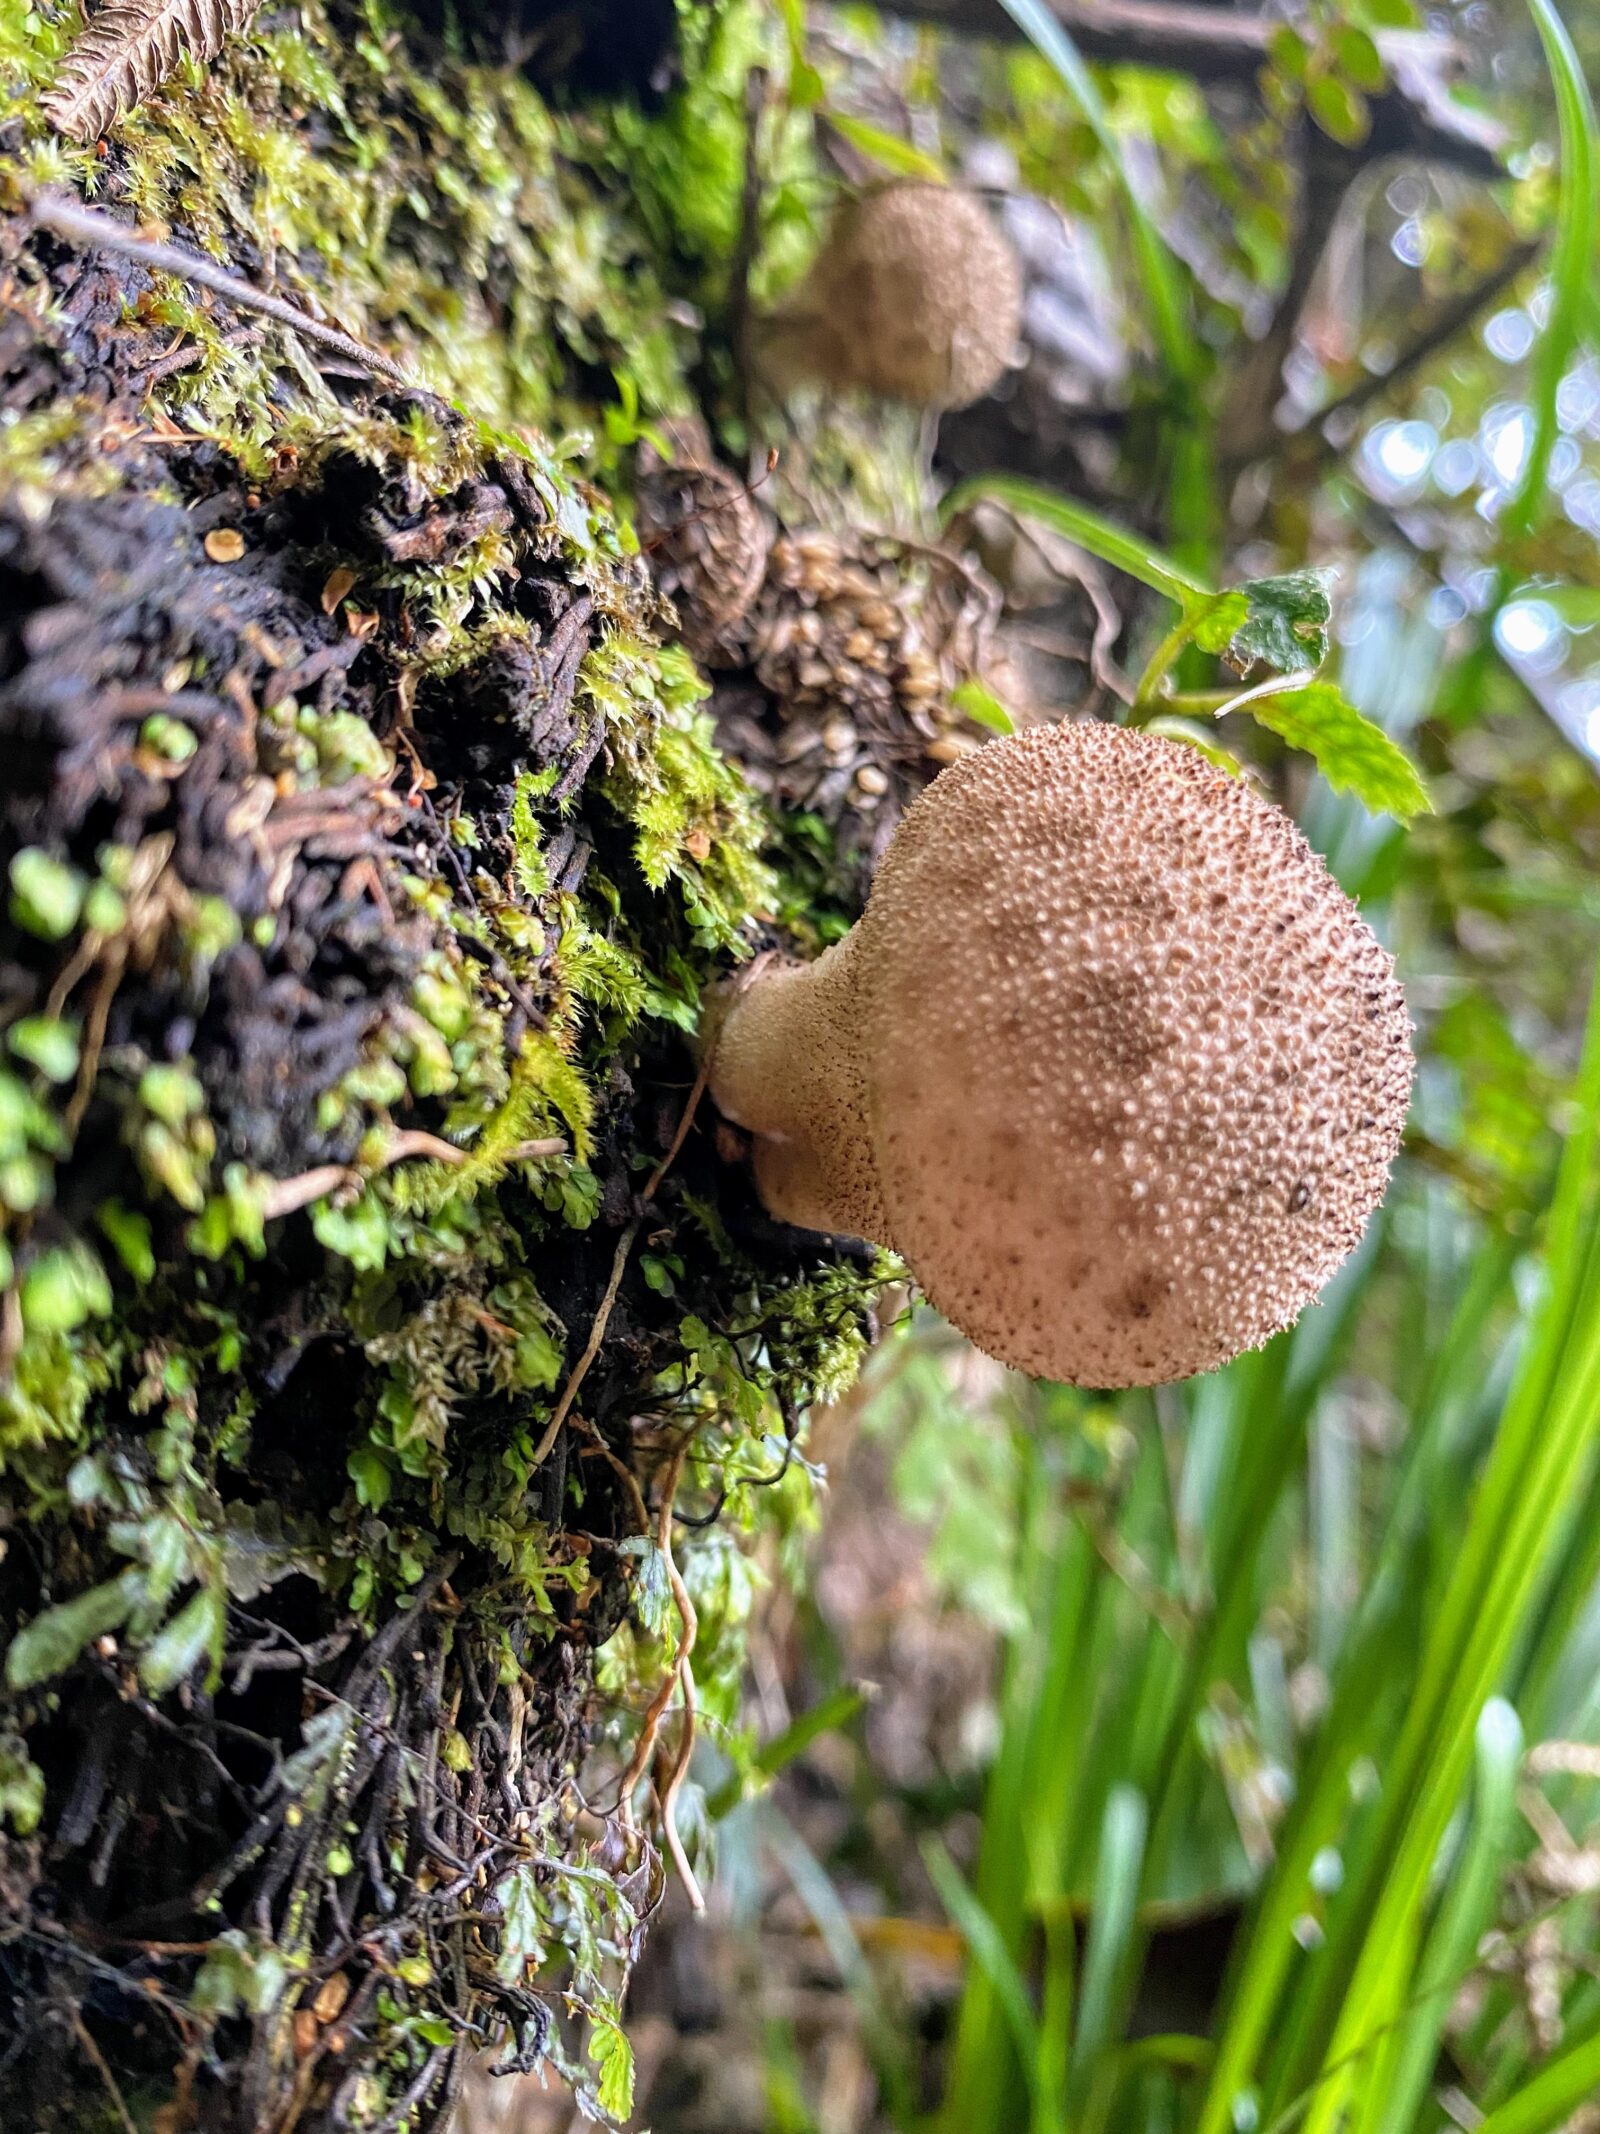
787, 1068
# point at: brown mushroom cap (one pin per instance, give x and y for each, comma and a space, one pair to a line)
916, 294
1110, 1059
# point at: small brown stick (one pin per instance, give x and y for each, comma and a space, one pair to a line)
96, 230
97, 2060
597, 1332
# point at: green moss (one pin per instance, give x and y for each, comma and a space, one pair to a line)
515, 259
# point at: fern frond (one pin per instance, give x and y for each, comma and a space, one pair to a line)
129, 48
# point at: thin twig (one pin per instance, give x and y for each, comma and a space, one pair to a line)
95, 230
679, 1676
680, 1762
597, 1332
97, 2059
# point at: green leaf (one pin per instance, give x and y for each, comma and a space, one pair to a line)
888, 149
129, 1236
1219, 622
46, 894
1389, 14
47, 1044
1352, 754
522, 1924
1287, 624
54, 1639
1193, 735
1360, 59
21, 1787
372, 1476
1340, 110
613, 2056
1288, 52
982, 706
193, 1634
652, 1589
62, 1288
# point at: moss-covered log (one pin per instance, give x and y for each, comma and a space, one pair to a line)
367, 851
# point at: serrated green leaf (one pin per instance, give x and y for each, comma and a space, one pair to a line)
613, 2056
1287, 624
1352, 754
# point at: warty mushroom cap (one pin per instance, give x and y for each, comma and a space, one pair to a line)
916, 294
1110, 1059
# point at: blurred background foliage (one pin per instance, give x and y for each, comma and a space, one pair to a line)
1226, 1758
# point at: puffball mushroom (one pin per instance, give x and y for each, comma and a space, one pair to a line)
916, 294
1110, 1059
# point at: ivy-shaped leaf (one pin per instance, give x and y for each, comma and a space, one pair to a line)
1286, 626
1352, 754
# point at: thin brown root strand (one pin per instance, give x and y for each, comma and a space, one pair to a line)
625, 1244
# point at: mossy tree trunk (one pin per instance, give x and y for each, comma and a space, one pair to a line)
367, 852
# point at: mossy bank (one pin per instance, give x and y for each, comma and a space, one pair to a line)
367, 852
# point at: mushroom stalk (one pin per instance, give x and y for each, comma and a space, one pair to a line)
787, 1069
1109, 1058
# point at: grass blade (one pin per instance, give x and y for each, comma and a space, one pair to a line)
1570, 255
1112, 544
1158, 270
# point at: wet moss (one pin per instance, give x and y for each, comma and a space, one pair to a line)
367, 857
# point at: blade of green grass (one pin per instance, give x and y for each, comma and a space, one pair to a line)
1113, 544
1272, 2015
1158, 270
1109, 1953
986, 1945
1546, 1439
1571, 2079
1394, 2098
1570, 256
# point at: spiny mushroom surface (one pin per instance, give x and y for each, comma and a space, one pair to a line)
1110, 1059
916, 294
